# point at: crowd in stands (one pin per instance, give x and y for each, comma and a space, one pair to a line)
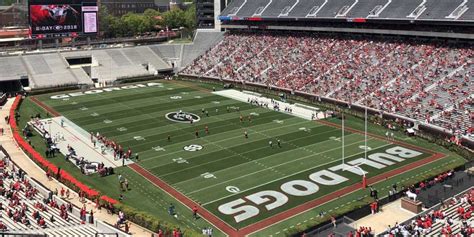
26, 207
453, 218
361, 232
431, 82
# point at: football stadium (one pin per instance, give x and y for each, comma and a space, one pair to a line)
276, 118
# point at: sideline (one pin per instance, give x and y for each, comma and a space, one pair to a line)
34, 171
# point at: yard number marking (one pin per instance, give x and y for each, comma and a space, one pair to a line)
180, 161
122, 129
365, 147
232, 189
208, 175
83, 108
278, 121
139, 138
107, 121
192, 147
94, 114
335, 138
158, 148
176, 97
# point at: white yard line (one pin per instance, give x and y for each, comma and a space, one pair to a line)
284, 163
283, 177
227, 157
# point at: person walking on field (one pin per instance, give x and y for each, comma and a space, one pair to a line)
195, 212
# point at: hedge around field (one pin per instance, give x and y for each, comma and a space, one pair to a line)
143, 219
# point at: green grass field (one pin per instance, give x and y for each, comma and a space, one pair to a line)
228, 161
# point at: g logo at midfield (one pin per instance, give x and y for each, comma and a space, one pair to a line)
192, 147
182, 117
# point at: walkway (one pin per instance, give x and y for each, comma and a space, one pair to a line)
389, 215
37, 173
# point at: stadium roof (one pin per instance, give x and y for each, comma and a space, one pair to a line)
352, 10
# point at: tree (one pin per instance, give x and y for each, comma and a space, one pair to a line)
108, 24
174, 18
136, 23
190, 18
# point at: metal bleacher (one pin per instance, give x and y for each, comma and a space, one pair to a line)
374, 9
11, 68
203, 41
305, 7
367, 7
167, 51
273, 9
403, 8
439, 9
52, 69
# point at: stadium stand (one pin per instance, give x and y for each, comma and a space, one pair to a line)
29, 208
457, 10
167, 51
452, 218
47, 70
202, 42
12, 68
424, 81
52, 69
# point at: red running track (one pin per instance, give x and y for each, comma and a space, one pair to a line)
45, 107
223, 226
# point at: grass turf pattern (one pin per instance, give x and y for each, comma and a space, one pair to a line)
248, 164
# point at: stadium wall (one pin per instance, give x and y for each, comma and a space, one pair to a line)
430, 34
427, 131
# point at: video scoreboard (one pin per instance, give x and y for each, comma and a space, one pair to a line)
63, 18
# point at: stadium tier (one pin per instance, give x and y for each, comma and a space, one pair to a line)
432, 83
29, 208
418, 10
451, 218
53, 69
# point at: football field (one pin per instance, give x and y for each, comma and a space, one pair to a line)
282, 164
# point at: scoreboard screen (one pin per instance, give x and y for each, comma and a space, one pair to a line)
62, 18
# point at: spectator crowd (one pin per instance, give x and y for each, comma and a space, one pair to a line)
429, 81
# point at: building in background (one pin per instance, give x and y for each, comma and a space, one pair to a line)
122, 7
14, 15
166, 5
207, 12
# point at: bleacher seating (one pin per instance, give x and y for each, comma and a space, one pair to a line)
12, 68
203, 41
21, 196
430, 82
52, 70
375, 9
453, 218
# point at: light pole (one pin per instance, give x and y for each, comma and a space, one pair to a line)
365, 133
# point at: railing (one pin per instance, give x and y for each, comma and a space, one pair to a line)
435, 207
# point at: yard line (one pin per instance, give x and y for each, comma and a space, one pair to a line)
282, 178
174, 125
184, 142
284, 163
221, 140
237, 145
154, 112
